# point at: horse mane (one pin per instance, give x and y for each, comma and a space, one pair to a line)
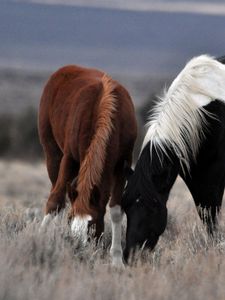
178, 120
92, 166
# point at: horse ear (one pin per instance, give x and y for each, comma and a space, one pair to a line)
95, 196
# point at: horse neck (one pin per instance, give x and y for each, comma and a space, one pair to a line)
157, 173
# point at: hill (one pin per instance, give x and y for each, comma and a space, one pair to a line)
128, 42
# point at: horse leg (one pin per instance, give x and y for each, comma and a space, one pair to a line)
99, 225
101, 198
53, 156
116, 218
208, 201
207, 189
92, 227
67, 171
53, 160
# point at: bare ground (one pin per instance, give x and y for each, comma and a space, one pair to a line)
52, 264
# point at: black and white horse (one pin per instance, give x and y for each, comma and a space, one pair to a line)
186, 136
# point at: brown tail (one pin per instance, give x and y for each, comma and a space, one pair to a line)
92, 166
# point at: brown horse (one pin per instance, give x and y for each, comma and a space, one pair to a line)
87, 128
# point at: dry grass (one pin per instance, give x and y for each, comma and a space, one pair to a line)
52, 264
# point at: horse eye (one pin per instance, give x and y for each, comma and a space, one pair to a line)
138, 200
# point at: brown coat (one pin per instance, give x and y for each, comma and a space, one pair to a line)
87, 128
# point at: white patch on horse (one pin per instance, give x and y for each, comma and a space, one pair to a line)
178, 120
79, 227
116, 248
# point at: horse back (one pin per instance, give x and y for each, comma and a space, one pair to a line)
69, 108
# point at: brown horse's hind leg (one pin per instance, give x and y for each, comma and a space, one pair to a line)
53, 153
67, 171
53, 160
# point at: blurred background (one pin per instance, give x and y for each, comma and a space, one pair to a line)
143, 44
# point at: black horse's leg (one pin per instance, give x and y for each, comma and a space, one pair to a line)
207, 187
208, 206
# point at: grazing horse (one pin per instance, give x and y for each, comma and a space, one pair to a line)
186, 136
87, 128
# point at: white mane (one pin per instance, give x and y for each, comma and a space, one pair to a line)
178, 120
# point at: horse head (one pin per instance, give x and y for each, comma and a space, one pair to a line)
144, 200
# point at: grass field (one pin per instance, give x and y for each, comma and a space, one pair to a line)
52, 264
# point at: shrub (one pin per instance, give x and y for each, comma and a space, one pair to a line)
5, 134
